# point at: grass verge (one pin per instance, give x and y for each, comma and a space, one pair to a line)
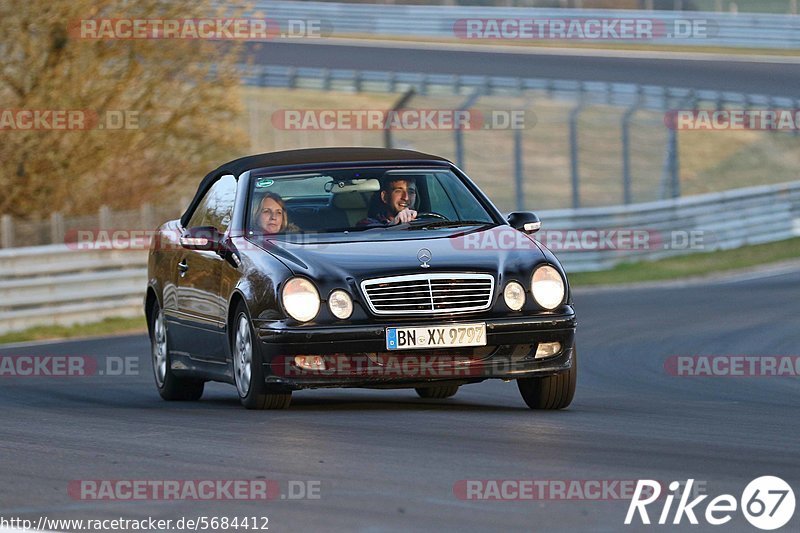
108, 326
691, 265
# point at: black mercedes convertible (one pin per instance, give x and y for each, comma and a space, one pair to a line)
355, 267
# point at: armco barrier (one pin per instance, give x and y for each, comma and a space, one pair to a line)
56, 284
715, 221
652, 97
59, 285
741, 30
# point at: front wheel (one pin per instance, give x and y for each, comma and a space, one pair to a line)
550, 392
248, 372
170, 387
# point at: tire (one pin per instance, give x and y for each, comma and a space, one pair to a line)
438, 392
170, 387
247, 369
550, 392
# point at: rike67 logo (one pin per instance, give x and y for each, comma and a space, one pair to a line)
767, 502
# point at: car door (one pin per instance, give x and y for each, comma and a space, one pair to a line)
201, 306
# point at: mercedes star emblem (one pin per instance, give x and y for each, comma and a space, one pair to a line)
424, 255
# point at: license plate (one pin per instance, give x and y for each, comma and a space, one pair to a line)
449, 336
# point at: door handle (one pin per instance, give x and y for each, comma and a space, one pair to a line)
183, 266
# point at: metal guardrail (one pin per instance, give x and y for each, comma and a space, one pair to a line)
715, 221
652, 97
58, 284
740, 30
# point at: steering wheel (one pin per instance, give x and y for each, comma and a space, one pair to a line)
421, 214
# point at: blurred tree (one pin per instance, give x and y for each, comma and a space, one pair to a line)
177, 96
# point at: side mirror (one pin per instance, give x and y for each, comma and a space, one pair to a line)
524, 221
205, 238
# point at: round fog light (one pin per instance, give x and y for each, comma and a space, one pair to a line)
340, 304
514, 295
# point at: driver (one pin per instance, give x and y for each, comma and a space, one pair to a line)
397, 197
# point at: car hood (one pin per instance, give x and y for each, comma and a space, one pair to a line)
495, 249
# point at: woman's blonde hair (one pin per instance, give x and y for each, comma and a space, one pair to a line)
257, 212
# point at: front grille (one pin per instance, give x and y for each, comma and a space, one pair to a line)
429, 293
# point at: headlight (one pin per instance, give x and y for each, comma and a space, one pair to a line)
340, 304
300, 299
547, 287
514, 295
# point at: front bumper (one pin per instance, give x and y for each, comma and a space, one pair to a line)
356, 356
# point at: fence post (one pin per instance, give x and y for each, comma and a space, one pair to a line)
263, 77
626, 153
400, 104
519, 170
574, 151
6, 231
793, 7
674, 163
326, 79
104, 217
458, 133
56, 228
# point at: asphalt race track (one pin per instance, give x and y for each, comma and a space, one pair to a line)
753, 77
389, 461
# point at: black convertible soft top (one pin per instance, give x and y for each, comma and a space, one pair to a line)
304, 157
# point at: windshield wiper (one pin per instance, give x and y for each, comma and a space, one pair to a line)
448, 224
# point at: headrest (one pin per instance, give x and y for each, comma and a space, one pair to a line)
349, 200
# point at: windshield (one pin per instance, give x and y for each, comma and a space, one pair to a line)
374, 200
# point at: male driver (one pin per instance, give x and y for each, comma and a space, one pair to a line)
397, 197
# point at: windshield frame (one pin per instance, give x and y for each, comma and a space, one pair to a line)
422, 165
